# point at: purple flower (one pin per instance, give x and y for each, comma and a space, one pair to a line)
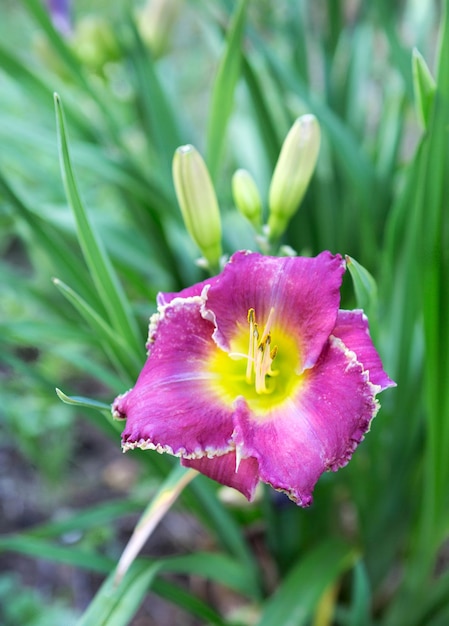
60, 12
256, 374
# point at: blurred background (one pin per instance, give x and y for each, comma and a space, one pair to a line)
137, 80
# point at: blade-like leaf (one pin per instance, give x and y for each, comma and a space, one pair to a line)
223, 91
158, 118
177, 595
361, 597
93, 517
295, 601
113, 343
43, 549
424, 88
115, 604
166, 495
84, 402
103, 275
365, 288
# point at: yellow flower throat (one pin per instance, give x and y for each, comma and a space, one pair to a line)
261, 365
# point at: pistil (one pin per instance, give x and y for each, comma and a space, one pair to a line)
260, 354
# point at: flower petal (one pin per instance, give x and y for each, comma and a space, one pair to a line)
315, 431
353, 329
164, 298
304, 293
223, 469
172, 407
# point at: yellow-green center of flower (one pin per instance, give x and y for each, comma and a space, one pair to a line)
261, 365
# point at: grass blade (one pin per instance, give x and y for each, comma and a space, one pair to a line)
424, 88
223, 90
48, 239
175, 594
103, 275
361, 597
365, 288
115, 604
43, 549
158, 119
113, 344
296, 599
105, 513
82, 401
165, 497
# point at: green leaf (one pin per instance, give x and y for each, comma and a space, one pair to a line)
113, 344
165, 497
76, 69
158, 118
348, 151
102, 514
266, 119
117, 601
42, 549
103, 275
223, 91
177, 595
365, 288
115, 604
227, 530
361, 597
434, 246
48, 238
424, 88
424, 270
82, 401
220, 568
296, 599
42, 17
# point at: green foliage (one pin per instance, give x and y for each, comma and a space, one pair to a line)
109, 236
19, 605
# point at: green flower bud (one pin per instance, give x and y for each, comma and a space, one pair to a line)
247, 197
292, 173
94, 43
155, 22
198, 202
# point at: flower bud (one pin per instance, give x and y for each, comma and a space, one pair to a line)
292, 173
198, 202
247, 197
155, 22
94, 43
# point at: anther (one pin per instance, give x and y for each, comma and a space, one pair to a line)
260, 357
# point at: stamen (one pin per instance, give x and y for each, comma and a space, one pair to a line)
267, 328
260, 357
252, 341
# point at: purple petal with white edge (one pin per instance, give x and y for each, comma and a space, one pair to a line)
314, 431
353, 329
304, 293
223, 470
172, 407
164, 297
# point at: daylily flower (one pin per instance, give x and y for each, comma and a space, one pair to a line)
256, 374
